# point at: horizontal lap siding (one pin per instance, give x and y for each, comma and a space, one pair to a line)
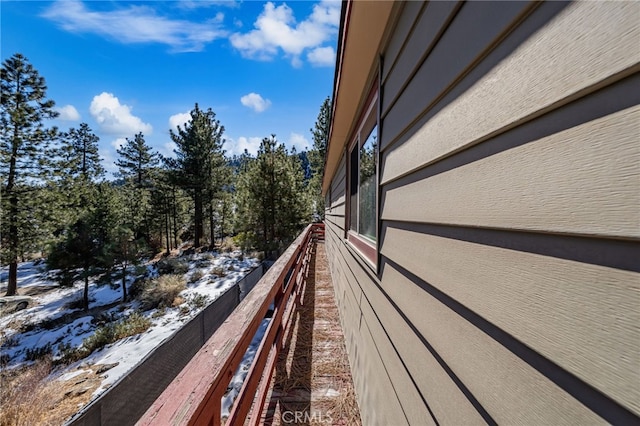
510, 173
569, 312
379, 348
540, 186
508, 388
376, 393
536, 66
335, 206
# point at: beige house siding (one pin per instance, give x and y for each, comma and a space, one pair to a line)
507, 288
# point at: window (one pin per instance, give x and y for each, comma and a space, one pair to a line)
363, 183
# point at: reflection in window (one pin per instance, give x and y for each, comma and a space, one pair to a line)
353, 189
367, 185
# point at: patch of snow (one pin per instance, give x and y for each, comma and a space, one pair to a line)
241, 373
70, 375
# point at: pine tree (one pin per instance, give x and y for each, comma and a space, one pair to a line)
137, 163
270, 197
84, 248
317, 155
24, 107
79, 154
199, 157
76, 166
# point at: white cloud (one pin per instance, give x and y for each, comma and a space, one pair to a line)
198, 4
108, 162
299, 142
166, 150
276, 29
322, 56
136, 24
68, 113
118, 143
237, 147
255, 102
180, 118
115, 118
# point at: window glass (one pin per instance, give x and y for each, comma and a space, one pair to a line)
367, 186
353, 189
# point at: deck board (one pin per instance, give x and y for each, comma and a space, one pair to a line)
312, 381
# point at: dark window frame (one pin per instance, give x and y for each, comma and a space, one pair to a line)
369, 121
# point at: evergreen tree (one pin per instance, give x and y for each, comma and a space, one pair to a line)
76, 167
137, 164
198, 162
122, 248
270, 197
317, 155
79, 158
137, 161
24, 107
85, 247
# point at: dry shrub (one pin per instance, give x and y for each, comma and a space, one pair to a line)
172, 266
196, 276
161, 291
257, 255
228, 245
26, 396
219, 271
107, 334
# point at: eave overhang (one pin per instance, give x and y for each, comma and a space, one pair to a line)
362, 33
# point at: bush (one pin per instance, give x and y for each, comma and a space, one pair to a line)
26, 395
109, 333
195, 276
198, 301
245, 240
68, 354
140, 270
219, 271
228, 245
161, 291
42, 352
137, 287
172, 266
257, 255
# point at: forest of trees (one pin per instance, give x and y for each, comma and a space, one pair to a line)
58, 202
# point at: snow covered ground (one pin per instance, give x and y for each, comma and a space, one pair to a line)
22, 332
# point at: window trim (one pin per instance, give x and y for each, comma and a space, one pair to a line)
363, 245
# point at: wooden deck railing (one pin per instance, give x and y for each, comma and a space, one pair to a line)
194, 396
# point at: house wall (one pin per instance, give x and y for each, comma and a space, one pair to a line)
507, 288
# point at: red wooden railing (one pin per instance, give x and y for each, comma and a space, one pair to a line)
194, 396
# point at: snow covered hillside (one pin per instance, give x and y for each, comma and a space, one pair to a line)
52, 326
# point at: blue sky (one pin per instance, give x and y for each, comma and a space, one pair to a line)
125, 67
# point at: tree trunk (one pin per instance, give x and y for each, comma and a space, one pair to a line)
197, 201
13, 278
168, 219
175, 219
85, 299
12, 285
168, 239
124, 281
224, 210
211, 226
